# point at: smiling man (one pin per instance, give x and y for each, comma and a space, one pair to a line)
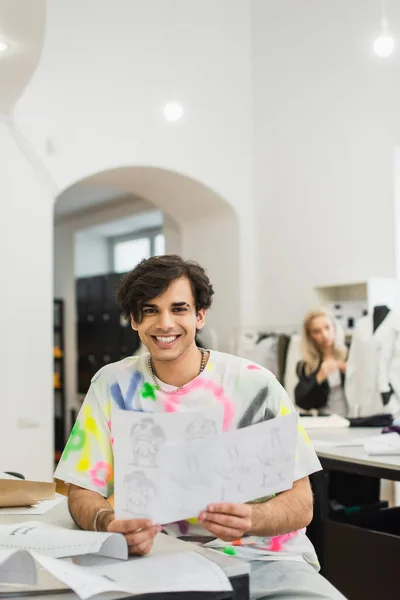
166, 299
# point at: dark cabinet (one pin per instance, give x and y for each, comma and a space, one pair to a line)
104, 336
59, 378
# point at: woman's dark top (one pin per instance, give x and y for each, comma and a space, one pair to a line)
309, 393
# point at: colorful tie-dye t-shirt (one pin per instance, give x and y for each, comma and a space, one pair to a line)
248, 393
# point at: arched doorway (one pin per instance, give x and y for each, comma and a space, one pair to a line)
198, 224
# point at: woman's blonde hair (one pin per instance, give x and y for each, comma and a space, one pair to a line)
310, 353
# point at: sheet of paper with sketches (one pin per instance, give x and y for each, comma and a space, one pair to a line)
138, 438
59, 542
183, 477
40, 508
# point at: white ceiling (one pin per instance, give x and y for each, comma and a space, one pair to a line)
175, 194
82, 196
22, 24
152, 219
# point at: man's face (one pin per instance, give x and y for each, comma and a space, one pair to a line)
169, 322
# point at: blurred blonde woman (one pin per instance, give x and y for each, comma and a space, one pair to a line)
322, 369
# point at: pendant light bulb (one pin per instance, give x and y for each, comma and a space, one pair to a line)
384, 44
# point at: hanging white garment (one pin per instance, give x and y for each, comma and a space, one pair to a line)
373, 366
262, 351
293, 357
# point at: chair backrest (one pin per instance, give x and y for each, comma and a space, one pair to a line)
17, 475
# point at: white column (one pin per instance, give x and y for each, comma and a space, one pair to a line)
26, 346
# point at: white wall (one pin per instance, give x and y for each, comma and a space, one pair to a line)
64, 288
327, 118
396, 167
173, 238
26, 311
223, 274
197, 53
91, 254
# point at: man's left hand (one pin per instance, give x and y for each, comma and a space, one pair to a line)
227, 521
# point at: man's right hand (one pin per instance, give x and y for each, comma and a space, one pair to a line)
139, 534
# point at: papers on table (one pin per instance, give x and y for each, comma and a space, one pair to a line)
59, 542
20, 566
321, 444
383, 444
328, 422
16, 567
40, 508
168, 467
45, 584
177, 572
19, 492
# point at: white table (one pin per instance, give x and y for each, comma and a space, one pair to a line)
357, 549
237, 570
358, 461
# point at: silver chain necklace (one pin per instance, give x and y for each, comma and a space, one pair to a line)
153, 375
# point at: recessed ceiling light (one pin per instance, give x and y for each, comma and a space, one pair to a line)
3, 46
173, 111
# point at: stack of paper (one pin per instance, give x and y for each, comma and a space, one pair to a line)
384, 445
178, 572
328, 422
343, 442
21, 567
40, 508
59, 542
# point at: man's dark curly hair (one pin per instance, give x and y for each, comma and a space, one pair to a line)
151, 278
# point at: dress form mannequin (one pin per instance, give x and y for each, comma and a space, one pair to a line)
380, 313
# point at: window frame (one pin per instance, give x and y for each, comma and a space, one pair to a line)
150, 233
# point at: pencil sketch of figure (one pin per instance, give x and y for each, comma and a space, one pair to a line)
272, 455
140, 491
146, 440
200, 428
192, 474
231, 469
